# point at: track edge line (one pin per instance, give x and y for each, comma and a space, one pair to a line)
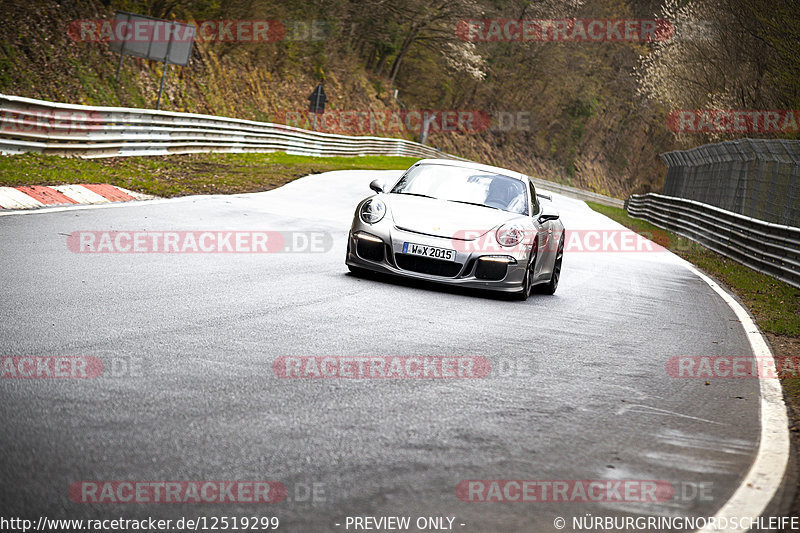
765, 476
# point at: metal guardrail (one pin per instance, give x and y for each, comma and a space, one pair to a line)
29, 125
580, 194
769, 248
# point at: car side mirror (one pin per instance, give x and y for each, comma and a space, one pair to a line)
544, 217
376, 185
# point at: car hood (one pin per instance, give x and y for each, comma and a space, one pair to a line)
444, 219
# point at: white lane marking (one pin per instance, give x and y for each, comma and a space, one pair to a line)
767, 471
81, 194
11, 198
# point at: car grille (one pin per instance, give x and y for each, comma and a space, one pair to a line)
427, 265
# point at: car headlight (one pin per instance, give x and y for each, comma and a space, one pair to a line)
372, 211
510, 234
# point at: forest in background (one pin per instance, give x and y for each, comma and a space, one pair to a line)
597, 111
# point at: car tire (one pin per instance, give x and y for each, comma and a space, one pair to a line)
527, 286
551, 286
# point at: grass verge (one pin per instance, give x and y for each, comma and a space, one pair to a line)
180, 175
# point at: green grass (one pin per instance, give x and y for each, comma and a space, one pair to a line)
774, 304
179, 175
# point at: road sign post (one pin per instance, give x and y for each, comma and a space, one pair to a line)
317, 103
164, 73
122, 48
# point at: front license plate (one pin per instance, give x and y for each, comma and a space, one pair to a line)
444, 254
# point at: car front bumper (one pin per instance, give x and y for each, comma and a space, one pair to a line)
379, 247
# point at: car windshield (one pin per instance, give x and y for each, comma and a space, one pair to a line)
465, 185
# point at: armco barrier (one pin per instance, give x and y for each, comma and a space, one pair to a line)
770, 248
29, 125
580, 194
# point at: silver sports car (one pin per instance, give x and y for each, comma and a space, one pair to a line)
462, 224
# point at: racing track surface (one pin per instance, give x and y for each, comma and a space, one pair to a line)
578, 388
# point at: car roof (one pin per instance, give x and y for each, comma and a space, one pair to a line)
473, 165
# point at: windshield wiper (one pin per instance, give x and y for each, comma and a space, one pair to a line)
474, 203
416, 194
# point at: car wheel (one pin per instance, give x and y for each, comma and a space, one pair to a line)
551, 286
527, 281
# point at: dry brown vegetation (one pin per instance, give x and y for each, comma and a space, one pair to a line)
597, 111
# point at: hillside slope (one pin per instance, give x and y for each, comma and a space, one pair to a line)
583, 127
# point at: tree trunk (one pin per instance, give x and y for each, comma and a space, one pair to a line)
407, 42
371, 57
382, 62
